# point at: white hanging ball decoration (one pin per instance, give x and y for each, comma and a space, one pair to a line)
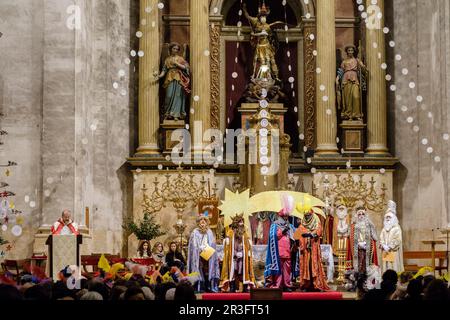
393, 87
47, 193
207, 53
446, 136
430, 115
187, 126
405, 71
148, 9
32, 204
392, 44
141, 53
382, 171
160, 166
410, 120
121, 73
305, 148
139, 34
364, 16
398, 57
329, 112
283, 2
160, 5
361, 8
115, 85
168, 158
430, 150
291, 79
404, 108
301, 136
234, 75
322, 87
398, 97
388, 77
386, 30
138, 170
133, 53
375, 45
437, 159
308, 160
419, 98
85, 141
127, 61
313, 170
312, 36
315, 53
384, 66
215, 10
196, 98
192, 110
308, 15
325, 99
16, 231
318, 70
27, 199
416, 129
412, 84
123, 92
424, 141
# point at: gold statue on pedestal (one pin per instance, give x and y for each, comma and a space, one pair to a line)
265, 43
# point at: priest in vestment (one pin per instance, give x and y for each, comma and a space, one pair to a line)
65, 226
201, 242
237, 266
312, 276
391, 241
282, 260
362, 243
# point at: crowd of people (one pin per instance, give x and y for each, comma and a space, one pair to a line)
136, 288
407, 287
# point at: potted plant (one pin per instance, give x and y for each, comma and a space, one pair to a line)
146, 229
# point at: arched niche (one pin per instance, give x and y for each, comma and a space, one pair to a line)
300, 9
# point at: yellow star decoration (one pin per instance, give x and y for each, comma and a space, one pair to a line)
235, 204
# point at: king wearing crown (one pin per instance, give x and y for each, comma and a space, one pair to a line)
237, 267
202, 256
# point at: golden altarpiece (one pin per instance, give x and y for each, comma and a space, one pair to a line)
328, 144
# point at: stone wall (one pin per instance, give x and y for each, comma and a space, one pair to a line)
70, 130
421, 34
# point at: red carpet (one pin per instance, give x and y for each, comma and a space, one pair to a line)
286, 296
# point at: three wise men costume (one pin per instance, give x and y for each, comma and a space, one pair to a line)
202, 255
362, 243
237, 264
309, 233
391, 241
282, 254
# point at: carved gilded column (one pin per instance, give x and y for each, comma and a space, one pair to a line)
148, 87
215, 76
376, 99
309, 85
326, 75
201, 73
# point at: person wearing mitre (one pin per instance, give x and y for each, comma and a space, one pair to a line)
237, 266
202, 255
281, 259
362, 243
312, 276
391, 241
65, 226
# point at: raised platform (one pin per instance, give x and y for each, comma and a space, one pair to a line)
286, 296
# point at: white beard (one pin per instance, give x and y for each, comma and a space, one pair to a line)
388, 225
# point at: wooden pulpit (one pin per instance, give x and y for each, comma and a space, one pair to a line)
433, 244
63, 251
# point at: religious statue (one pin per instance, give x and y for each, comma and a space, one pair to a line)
237, 266
282, 260
176, 74
144, 251
312, 276
362, 243
202, 256
265, 43
351, 75
65, 225
391, 241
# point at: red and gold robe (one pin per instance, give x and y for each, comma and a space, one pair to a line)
311, 260
362, 255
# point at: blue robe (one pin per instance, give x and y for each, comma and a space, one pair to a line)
273, 263
193, 264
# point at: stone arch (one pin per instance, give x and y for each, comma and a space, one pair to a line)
298, 6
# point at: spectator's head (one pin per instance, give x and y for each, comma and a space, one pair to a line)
405, 277
38, 293
414, 289
185, 291
28, 278
92, 295
60, 290
436, 291
389, 283
9, 293
99, 287
161, 289
134, 294
170, 294
427, 280
148, 293
116, 292
81, 293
